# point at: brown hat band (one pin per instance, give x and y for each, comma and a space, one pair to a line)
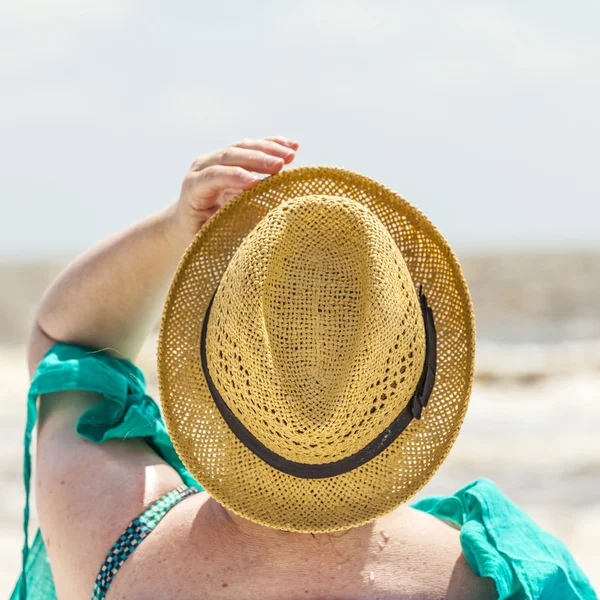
411, 411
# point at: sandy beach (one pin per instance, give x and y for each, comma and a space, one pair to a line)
532, 425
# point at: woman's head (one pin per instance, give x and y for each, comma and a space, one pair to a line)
295, 345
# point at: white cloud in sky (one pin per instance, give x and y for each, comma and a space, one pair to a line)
528, 47
39, 32
497, 32
42, 13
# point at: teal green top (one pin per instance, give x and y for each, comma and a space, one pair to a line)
498, 539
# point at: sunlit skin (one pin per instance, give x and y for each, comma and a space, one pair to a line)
110, 298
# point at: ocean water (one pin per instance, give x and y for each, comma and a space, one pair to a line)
518, 298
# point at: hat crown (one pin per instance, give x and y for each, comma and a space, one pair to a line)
316, 339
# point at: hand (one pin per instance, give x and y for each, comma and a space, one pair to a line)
214, 179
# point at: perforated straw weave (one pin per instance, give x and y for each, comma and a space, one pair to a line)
316, 342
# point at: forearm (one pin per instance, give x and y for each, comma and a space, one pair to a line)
110, 297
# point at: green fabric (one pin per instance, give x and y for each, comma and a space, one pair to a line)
501, 542
498, 539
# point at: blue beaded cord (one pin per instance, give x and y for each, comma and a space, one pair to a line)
134, 535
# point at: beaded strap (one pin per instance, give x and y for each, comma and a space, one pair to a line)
134, 535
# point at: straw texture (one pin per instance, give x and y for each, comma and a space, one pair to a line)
316, 342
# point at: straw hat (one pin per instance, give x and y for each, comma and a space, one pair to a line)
316, 352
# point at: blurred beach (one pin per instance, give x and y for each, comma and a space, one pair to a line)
533, 421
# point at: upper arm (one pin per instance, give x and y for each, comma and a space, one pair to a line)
39, 344
88, 493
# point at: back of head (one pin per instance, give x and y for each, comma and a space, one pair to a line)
298, 353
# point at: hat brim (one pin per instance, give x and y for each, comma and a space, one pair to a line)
225, 467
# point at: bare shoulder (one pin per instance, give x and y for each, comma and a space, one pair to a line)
431, 555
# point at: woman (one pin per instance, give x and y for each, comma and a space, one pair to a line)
249, 540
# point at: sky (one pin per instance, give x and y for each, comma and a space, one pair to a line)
484, 114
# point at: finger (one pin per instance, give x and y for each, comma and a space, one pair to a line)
251, 160
225, 197
283, 141
228, 195
217, 178
269, 147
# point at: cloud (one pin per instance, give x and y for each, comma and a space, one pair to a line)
439, 38
197, 107
530, 47
343, 21
41, 13
37, 32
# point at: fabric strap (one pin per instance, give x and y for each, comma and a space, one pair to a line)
135, 533
412, 410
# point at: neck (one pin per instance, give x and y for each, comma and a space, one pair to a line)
248, 529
